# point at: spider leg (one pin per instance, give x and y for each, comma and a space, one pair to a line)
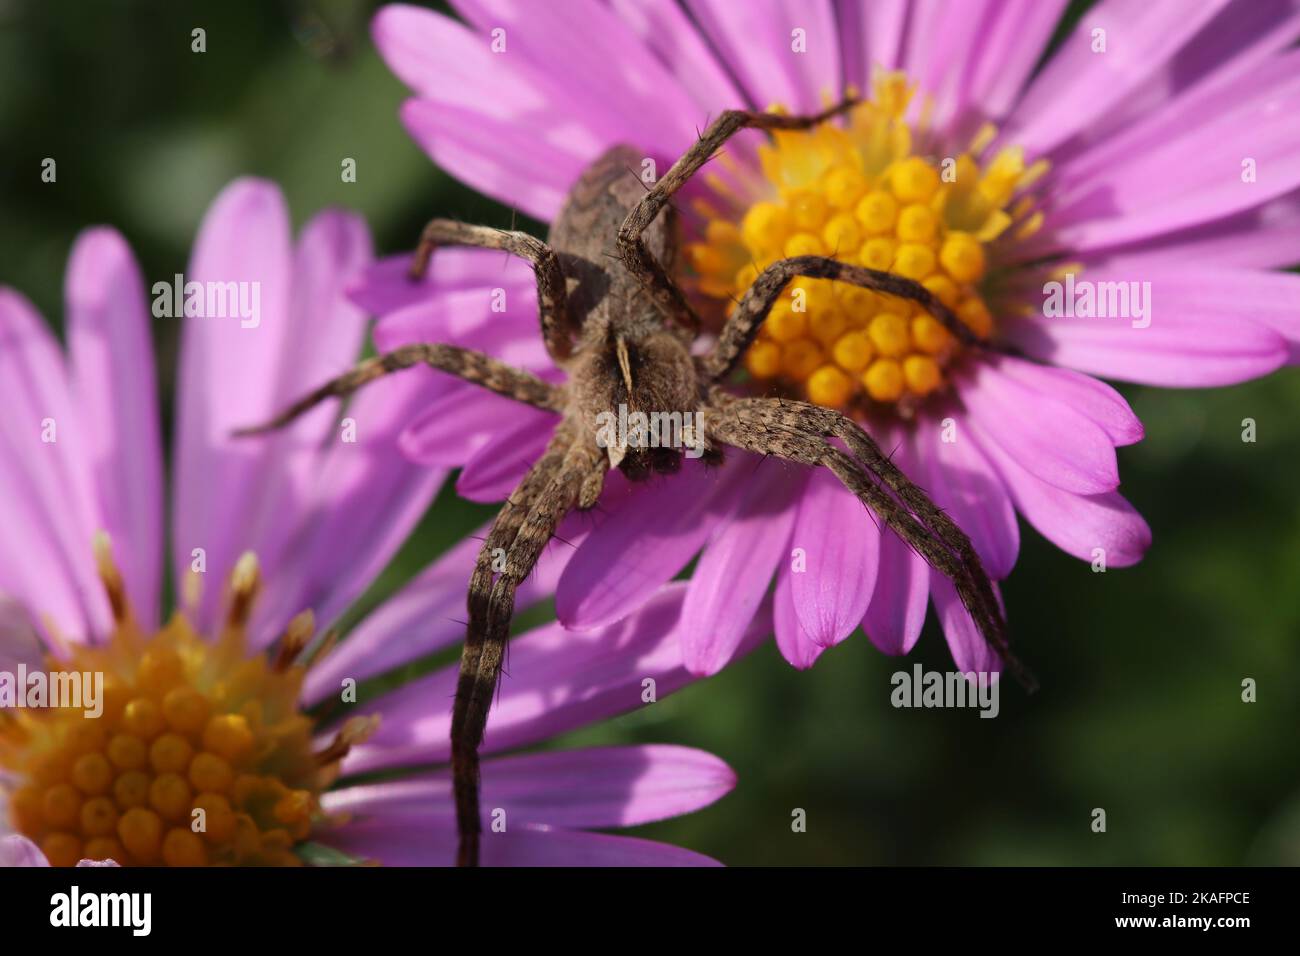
474, 367
862, 446
743, 324
796, 431
502, 534
631, 246
563, 477
552, 296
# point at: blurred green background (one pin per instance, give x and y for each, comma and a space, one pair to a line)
1140, 711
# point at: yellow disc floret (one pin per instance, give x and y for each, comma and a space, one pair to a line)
862, 194
199, 754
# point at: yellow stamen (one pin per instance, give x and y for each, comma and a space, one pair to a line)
355, 731
842, 234
244, 582
829, 386
929, 335
962, 257
980, 141
914, 260
888, 332
784, 324
800, 359
114, 588
853, 351
976, 315
884, 380
877, 211
187, 725
860, 193
878, 253
763, 360
296, 638
1030, 226
915, 180
922, 374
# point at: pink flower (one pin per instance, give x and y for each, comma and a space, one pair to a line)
1156, 146
231, 705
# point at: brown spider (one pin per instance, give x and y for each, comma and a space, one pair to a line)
625, 353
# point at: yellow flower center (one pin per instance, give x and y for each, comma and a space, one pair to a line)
200, 755
861, 194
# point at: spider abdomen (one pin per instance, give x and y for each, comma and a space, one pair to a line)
585, 237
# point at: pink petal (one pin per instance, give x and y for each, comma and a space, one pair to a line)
896, 614
734, 572
1077, 524
19, 641
493, 156
970, 652
1156, 125
114, 381
452, 429
666, 31
496, 469
589, 788
441, 58
1048, 437
639, 101
366, 502
45, 491
326, 331
794, 643
1187, 169
1242, 35
871, 35
36, 579
1078, 86
1179, 353
642, 544
1188, 340
840, 539
1007, 51
426, 615
756, 41
386, 286
402, 844
516, 112
961, 481
1104, 406
466, 318
557, 680
1258, 238
229, 377
946, 42
1249, 296
20, 851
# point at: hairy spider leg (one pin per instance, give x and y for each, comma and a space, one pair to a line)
743, 324
467, 364
795, 431
568, 475
552, 295
636, 255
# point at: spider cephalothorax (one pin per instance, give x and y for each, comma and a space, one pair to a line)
627, 358
616, 322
